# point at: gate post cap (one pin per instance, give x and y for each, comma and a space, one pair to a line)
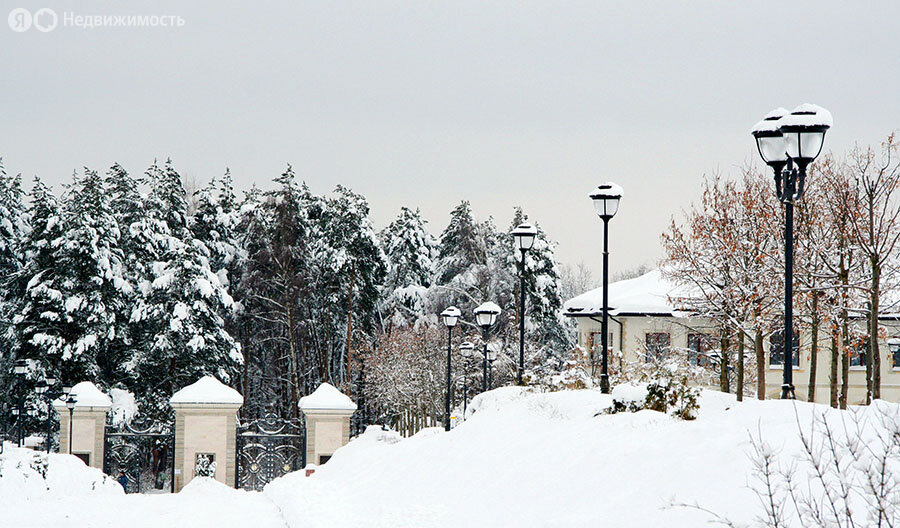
207, 390
87, 396
326, 398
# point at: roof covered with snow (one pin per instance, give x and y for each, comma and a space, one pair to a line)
327, 397
87, 395
648, 294
207, 390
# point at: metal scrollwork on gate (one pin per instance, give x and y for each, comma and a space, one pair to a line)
144, 451
268, 448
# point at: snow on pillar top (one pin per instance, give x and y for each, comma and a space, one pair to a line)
208, 390
86, 395
327, 398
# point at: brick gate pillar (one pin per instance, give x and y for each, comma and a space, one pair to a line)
205, 428
327, 411
88, 423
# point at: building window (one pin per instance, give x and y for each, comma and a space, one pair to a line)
657, 345
776, 351
859, 352
894, 348
698, 349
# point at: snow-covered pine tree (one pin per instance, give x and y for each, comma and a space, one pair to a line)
181, 304
351, 265
461, 245
13, 227
410, 251
214, 223
75, 287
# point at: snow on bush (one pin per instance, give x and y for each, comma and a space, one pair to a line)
27, 474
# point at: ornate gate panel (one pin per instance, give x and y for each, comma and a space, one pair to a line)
145, 452
268, 448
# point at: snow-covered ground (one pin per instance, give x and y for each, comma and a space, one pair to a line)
521, 459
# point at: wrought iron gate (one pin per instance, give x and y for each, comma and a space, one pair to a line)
268, 448
145, 452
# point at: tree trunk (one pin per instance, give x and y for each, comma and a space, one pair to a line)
869, 353
813, 348
350, 321
875, 354
740, 366
833, 378
723, 360
760, 365
845, 359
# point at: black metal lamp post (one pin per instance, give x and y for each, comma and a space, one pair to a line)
525, 235
450, 317
606, 202
20, 369
485, 316
70, 404
491, 357
466, 350
41, 388
789, 142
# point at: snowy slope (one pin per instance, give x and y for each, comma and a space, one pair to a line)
546, 460
521, 460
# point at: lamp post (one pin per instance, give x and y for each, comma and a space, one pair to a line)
70, 404
606, 202
788, 143
41, 388
450, 316
466, 350
20, 368
491, 357
485, 316
524, 235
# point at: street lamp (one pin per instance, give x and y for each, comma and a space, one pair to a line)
450, 316
491, 357
524, 235
784, 140
467, 351
20, 369
606, 202
70, 404
485, 317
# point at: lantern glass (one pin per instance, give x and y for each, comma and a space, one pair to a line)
772, 148
51, 381
804, 145
21, 367
40, 387
525, 242
70, 402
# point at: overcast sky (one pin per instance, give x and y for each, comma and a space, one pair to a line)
427, 103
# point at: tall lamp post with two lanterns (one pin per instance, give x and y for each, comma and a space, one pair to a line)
485, 317
524, 234
450, 316
788, 143
606, 202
